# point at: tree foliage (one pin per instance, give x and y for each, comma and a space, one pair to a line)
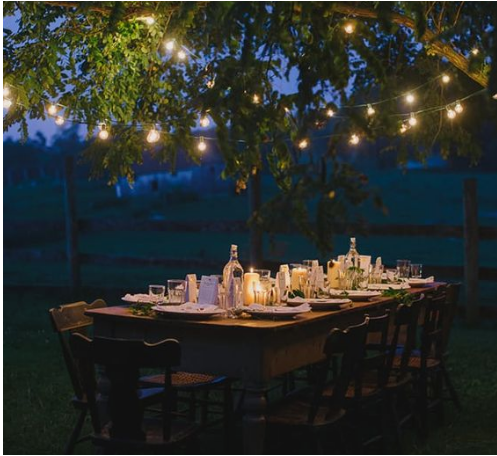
105, 63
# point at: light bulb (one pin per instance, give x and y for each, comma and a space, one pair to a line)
451, 114
7, 103
204, 121
349, 28
286, 109
410, 98
210, 83
181, 55
303, 144
6, 91
330, 112
201, 146
458, 108
169, 45
371, 110
494, 96
52, 110
354, 139
412, 121
445, 78
256, 99
59, 120
153, 136
403, 128
103, 134
475, 51
149, 20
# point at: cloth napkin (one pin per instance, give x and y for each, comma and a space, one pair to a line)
430, 279
140, 297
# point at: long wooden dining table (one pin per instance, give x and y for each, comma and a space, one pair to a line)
252, 350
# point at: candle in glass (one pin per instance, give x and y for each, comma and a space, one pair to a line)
333, 273
250, 281
299, 278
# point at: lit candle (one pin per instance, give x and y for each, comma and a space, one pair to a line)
333, 270
250, 282
299, 278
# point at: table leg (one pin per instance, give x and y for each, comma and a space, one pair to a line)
254, 420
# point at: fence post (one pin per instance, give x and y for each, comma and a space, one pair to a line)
72, 250
255, 201
471, 250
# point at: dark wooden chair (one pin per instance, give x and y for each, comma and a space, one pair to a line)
70, 318
130, 430
313, 413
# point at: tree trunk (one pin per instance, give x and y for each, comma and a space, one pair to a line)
72, 249
255, 201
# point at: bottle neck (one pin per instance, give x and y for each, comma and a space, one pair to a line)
233, 255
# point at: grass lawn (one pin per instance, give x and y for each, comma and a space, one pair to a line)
38, 416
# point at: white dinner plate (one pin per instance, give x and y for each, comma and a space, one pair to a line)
420, 283
276, 312
189, 311
355, 295
389, 286
321, 303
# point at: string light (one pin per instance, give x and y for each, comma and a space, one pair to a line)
330, 112
52, 110
204, 121
412, 120
256, 99
475, 51
303, 144
210, 83
410, 98
153, 136
354, 139
149, 20
169, 45
59, 120
6, 91
458, 107
103, 134
494, 96
202, 145
349, 28
451, 114
7, 103
181, 55
371, 110
403, 128
445, 78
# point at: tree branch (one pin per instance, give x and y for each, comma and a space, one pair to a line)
430, 38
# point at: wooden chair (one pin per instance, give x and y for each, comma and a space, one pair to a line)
70, 318
129, 430
313, 413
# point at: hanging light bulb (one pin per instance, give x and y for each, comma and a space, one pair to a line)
370, 110
349, 28
451, 114
204, 121
354, 139
103, 134
412, 120
410, 98
6, 91
169, 45
149, 20
445, 78
153, 136
7, 103
475, 51
181, 55
403, 128
202, 145
52, 110
330, 112
210, 83
458, 107
303, 144
256, 99
59, 120
494, 96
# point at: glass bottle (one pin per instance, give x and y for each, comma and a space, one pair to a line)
232, 270
352, 264
353, 259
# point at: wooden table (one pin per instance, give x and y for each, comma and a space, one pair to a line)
254, 351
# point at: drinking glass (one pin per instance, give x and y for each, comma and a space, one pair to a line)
156, 293
176, 291
416, 271
403, 267
263, 273
377, 274
392, 275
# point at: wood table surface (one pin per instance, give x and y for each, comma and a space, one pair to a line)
252, 350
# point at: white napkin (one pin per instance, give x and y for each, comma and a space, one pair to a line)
430, 279
139, 297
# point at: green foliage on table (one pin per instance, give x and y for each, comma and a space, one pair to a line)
401, 296
142, 309
103, 61
296, 294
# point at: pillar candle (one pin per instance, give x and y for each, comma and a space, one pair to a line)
299, 278
250, 281
333, 268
